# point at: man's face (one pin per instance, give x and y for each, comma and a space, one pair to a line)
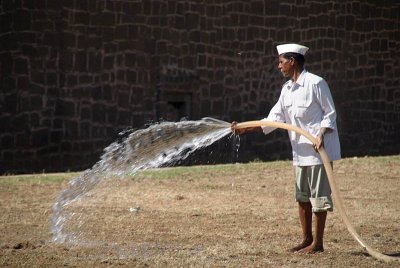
286, 66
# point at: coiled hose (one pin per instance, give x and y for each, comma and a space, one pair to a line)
335, 191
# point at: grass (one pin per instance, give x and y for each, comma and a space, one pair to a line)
37, 178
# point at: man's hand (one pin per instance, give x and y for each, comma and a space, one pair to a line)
235, 130
320, 138
320, 141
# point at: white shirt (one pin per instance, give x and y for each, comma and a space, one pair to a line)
308, 104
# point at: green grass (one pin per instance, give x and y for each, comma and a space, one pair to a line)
37, 178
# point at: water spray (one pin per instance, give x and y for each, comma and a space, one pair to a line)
159, 145
335, 191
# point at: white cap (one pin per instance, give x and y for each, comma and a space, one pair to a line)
295, 48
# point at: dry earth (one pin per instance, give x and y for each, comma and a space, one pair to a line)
238, 215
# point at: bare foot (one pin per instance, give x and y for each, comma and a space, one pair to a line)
303, 244
311, 249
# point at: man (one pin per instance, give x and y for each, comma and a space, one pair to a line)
306, 101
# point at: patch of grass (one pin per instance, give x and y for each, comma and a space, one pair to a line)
37, 178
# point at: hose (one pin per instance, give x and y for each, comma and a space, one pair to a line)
335, 191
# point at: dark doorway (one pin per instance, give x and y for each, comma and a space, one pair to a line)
178, 106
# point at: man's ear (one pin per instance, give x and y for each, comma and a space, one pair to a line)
292, 61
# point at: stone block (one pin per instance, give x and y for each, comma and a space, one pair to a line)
81, 17
161, 47
178, 22
7, 142
130, 59
192, 20
108, 36
94, 42
138, 119
22, 83
36, 102
80, 62
21, 20
102, 19
51, 38
22, 140
8, 41
10, 102
56, 136
217, 107
6, 22
66, 60
65, 108
66, 146
71, 129
131, 76
82, 41
120, 76
57, 123
121, 32
257, 7
84, 130
108, 62
195, 36
86, 146
150, 45
123, 99
112, 114
123, 117
72, 80
23, 103
51, 78
379, 68
85, 79
96, 93
85, 113
172, 7
201, 60
216, 90
107, 92
99, 113
98, 132
94, 62
36, 119
40, 137
5, 122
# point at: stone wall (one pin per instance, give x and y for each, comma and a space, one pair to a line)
75, 73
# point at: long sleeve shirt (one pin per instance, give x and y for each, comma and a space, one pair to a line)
308, 104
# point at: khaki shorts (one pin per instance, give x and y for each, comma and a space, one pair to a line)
312, 185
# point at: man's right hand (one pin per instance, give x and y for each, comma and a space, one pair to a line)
235, 130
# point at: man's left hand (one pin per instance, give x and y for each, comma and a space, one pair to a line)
320, 142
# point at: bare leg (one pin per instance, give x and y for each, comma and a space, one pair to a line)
318, 243
305, 215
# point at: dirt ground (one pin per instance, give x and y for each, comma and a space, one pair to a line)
236, 215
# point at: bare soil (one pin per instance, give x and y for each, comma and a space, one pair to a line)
236, 215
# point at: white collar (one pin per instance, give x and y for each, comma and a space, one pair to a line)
300, 79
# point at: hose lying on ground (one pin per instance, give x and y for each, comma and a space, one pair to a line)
335, 191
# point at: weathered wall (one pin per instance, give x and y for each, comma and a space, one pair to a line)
74, 73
